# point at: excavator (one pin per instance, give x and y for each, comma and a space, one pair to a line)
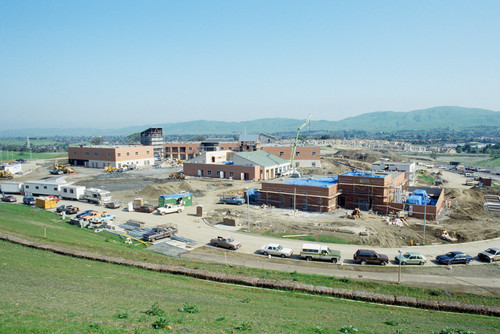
178, 175
6, 174
65, 168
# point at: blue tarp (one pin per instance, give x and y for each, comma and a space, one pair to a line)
420, 197
323, 182
365, 174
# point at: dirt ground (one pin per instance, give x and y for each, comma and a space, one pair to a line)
465, 215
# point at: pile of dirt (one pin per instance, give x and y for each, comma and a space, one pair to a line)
155, 190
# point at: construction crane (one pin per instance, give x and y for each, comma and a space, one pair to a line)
294, 172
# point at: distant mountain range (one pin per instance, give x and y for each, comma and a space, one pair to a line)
455, 118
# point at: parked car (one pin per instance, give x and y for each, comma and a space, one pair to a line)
365, 256
411, 258
85, 213
145, 208
29, 200
113, 205
319, 252
232, 200
490, 255
9, 198
56, 171
275, 249
160, 233
68, 209
225, 242
454, 258
54, 197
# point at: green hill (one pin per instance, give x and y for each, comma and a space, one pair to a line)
455, 118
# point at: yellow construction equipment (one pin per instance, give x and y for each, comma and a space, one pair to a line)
179, 161
178, 175
110, 168
6, 174
65, 168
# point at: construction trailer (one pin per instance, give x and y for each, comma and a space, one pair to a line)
11, 187
183, 198
46, 186
70, 191
13, 168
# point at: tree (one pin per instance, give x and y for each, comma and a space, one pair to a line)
97, 141
434, 155
459, 149
134, 138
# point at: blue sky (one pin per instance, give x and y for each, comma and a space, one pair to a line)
108, 64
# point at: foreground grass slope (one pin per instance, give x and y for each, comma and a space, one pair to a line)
45, 293
45, 227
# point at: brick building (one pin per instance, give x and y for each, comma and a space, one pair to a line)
99, 156
256, 165
301, 194
305, 156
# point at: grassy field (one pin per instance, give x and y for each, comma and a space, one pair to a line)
489, 163
14, 155
313, 238
46, 227
22, 141
46, 293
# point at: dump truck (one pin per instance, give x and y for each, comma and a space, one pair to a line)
65, 168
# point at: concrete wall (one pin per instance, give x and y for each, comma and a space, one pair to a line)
100, 156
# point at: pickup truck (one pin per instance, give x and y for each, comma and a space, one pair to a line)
319, 252
232, 200
160, 233
169, 208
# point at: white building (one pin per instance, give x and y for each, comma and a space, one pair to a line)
396, 166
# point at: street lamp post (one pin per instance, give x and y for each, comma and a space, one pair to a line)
399, 273
248, 211
425, 216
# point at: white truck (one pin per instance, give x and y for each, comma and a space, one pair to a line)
96, 196
169, 208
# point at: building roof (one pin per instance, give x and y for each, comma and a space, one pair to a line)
364, 174
249, 137
261, 158
324, 182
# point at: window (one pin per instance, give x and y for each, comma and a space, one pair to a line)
183, 149
71, 191
36, 187
190, 148
282, 154
136, 153
313, 165
231, 174
65, 190
128, 154
87, 154
55, 188
44, 187
147, 152
107, 154
27, 187
119, 155
297, 154
218, 173
74, 152
209, 172
314, 153
167, 149
175, 149
96, 154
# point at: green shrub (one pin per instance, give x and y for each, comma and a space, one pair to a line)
160, 323
155, 310
348, 329
122, 315
189, 308
244, 326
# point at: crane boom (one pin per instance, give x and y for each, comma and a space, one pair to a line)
296, 139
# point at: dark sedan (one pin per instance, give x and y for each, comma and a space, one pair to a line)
9, 199
85, 213
145, 208
68, 209
454, 258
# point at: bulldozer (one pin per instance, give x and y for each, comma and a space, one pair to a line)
5, 174
65, 168
110, 168
178, 175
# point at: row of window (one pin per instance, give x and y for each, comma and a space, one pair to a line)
297, 154
55, 189
96, 154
